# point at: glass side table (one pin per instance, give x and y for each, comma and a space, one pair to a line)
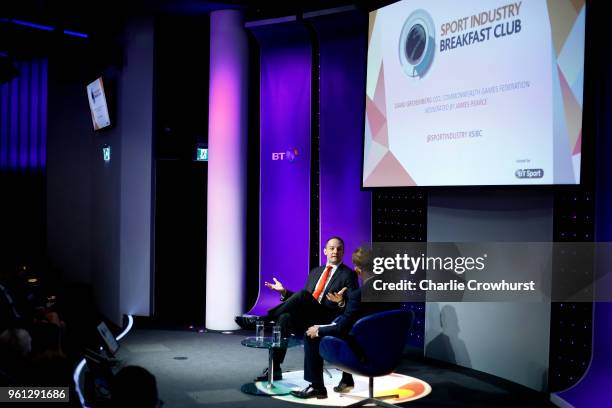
262, 387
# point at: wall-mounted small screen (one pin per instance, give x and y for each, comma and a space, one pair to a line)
97, 104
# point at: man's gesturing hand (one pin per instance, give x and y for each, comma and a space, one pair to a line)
336, 297
276, 286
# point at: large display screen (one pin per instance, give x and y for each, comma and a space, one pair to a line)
471, 92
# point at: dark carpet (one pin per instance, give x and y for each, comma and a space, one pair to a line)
207, 369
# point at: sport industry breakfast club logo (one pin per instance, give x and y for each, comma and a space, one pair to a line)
417, 42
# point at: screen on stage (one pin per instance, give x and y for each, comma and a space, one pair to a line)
109, 340
464, 93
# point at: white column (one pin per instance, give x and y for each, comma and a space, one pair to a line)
227, 138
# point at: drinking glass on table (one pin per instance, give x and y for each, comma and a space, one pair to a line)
276, 336
259, 331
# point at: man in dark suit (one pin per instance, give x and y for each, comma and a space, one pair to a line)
355, 309
319, 302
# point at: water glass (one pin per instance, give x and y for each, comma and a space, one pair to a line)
276, 336
259, 331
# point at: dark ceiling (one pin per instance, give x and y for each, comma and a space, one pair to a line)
103, 20
82, 14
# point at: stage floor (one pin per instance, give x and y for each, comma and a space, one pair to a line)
207, 369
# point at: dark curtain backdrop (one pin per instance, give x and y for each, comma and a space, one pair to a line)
345, 210
23, 139
23, 118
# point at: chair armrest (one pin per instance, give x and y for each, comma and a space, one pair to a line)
338, 352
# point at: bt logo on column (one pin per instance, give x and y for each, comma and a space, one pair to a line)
289, 155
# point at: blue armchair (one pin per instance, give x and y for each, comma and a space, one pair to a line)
373, 349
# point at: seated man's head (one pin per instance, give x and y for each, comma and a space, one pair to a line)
362, 259
334, 250
16, 341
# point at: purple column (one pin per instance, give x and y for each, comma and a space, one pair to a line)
345, 210
227, 137
285, 157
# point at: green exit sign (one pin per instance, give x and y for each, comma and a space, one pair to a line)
106, 153
202, 154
